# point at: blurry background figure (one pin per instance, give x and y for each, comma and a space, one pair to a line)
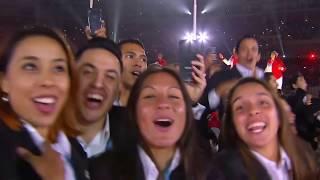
277, 67
224, 59
161, 60
212, 63
175, 67
234, 58
271, 81
305, 108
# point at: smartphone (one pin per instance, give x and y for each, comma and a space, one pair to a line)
188, 52
94, 20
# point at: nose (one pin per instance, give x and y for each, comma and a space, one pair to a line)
163, 103
47, 79
139, 62
253, 110
98, 80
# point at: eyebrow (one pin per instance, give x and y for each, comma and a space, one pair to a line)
93, 67
112, 71
257, 94
34, 58
88, 65
131, 52
150, 87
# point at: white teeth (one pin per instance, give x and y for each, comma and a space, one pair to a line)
257, 127
136, 73
164, 120
95, 96
46, 100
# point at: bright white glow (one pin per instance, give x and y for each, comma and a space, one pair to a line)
189, 37
204, 11
203, 37
284, 56
188, 12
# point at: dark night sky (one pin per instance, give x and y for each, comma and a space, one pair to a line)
289, 26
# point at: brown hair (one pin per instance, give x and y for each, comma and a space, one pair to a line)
66, 119
193, 158
303, 164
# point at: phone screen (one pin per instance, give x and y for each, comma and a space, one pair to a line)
94, 19
187, 53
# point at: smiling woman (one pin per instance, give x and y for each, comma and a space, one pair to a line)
162, 143
259, 143
37, 115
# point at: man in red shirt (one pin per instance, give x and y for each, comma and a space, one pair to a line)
277, 67
161, 61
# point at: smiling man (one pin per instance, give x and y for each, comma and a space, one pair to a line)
99, 70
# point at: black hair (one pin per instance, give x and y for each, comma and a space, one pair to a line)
102, 43
294, 78
244, 38
131, 41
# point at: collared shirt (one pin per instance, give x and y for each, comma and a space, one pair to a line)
198, 111
99, 143
245, 72
62, 146
150, 169
214, 98
277, 171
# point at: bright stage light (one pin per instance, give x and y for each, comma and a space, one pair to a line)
189, 37
204, 11
203, 37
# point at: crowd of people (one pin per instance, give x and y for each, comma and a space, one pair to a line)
102, 113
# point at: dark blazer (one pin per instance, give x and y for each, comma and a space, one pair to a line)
230, 163
103, 167
118, 117
218, 79
12, 167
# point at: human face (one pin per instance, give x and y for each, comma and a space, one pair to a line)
161, 111
255, 116
273, 55
37, 81
273, 82
134, 63
301, 83
248, 53
99, 74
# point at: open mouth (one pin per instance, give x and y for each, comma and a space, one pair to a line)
164, 123
257, 127
136, 73
94, 100
45, 104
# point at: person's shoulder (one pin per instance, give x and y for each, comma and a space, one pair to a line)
100, 167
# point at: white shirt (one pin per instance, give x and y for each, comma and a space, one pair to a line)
214, 98
150, 169
268, 68
62, 146
198, 111
99, 143
277, 171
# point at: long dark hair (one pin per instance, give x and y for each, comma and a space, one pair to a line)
66, 120
193, 158
303, 164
